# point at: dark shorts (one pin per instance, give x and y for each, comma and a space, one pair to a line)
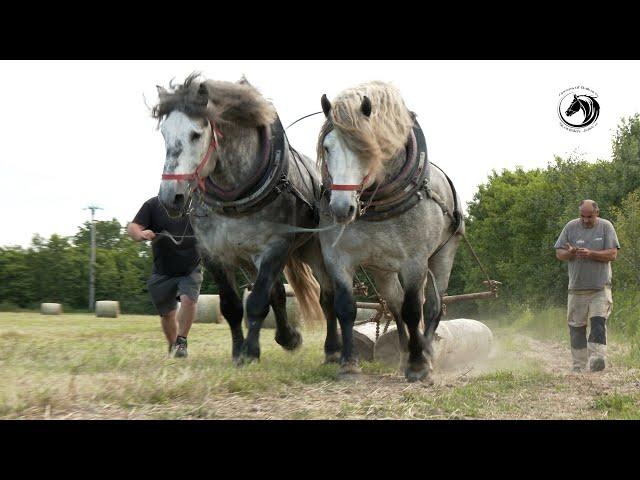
165, 290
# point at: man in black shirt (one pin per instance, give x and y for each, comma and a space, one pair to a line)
176, 270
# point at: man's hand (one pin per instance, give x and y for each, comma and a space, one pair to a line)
138, 233
147, 235
584, 253
570, 248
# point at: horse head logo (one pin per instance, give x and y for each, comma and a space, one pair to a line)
584, 104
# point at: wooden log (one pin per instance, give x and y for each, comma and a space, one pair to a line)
51, 308
107, 308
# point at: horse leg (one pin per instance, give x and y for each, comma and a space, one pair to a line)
332, 343
413, 278
270, 266
230, 304
311, 254
344, 305
389, 287
286, 335
440, 266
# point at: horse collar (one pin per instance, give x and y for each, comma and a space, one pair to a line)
261, 188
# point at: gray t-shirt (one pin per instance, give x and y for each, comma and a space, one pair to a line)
584, 273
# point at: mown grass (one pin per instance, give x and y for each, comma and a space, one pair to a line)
80, 366
615, 406
74, 361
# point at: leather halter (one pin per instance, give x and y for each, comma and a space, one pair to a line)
215, 131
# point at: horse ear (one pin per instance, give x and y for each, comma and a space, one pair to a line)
161, 90
366, 106
326, 105
203, 94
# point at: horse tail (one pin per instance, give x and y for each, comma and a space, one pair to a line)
306, 288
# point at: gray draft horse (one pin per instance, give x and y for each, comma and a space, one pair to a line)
228, 164
401, 218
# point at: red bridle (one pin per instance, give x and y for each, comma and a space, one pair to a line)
348, 187
215, 131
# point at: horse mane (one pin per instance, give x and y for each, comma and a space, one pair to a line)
375, 139
235, 103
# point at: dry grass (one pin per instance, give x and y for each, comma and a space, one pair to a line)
79, 366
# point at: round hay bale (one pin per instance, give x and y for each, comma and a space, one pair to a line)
208, 308
458, 342
51, 308
293, 313
107, 308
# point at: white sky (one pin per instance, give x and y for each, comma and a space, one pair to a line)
73, 133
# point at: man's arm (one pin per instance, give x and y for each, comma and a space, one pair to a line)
566, 254
608, 255
138, 233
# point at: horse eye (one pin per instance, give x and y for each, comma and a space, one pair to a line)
195, 136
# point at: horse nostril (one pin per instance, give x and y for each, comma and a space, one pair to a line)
352, 210
179, 199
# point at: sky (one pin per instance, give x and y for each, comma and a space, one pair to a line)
80, 133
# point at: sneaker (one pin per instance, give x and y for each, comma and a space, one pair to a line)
596, 364
179, 349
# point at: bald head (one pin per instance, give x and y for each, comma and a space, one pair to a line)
589, 212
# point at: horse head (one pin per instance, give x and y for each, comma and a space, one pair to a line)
347, 173
574, 107
191, 116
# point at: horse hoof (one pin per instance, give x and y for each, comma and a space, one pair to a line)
290, 340
350, 368
416, 375
331, 358
238, 361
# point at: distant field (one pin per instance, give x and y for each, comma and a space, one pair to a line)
77, 366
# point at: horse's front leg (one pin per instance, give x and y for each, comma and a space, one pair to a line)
230, 303
413, 278
270, 265
344, 305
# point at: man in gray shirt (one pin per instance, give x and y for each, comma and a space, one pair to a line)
589, 244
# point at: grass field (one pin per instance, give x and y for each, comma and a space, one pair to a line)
77, 366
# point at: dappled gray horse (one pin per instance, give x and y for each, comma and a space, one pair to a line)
399, 216
229, 164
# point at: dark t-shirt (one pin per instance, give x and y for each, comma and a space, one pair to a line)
168, 258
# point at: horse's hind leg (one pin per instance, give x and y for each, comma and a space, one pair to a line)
230, 303
389, 287
271, 264
286, 335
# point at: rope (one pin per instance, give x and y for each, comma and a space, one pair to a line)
302, 118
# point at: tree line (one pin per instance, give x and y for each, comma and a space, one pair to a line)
512, 222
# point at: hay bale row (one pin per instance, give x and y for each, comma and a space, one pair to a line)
51, 308
107, 308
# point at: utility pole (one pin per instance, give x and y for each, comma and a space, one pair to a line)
92, 258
